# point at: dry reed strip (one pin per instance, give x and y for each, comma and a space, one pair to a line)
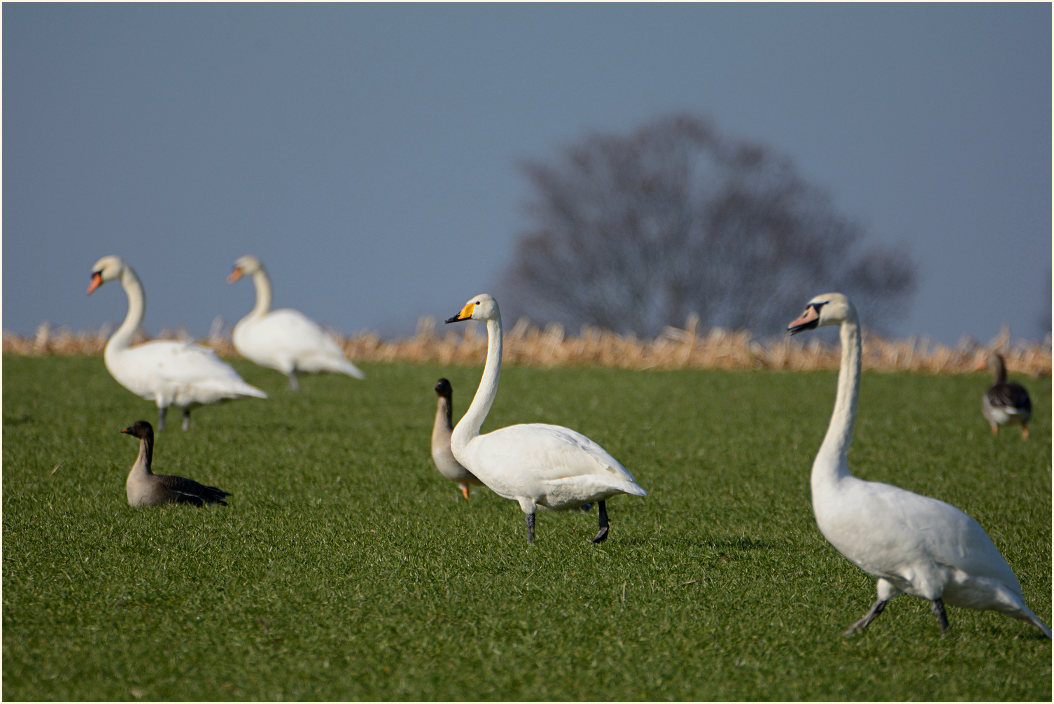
675, 348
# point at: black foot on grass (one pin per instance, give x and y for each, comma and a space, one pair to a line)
937, 607
863, 623
602, 520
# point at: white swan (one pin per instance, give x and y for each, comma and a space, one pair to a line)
169, 372
913, 544
283, 339
441, 430
535, 464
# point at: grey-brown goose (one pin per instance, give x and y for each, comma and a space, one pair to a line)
1005, 403
145, 488
441, 454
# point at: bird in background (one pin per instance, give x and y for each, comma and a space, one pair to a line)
283, 339
168, 372
534, 464
1005, 402
441, 431
911, 544
144, 488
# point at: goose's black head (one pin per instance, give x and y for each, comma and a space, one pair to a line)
140, 429
443, 388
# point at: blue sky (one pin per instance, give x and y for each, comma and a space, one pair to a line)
368, 153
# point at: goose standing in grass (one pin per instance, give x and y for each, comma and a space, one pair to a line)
144, 488
441, 454
169, 372
283, 339
1005, 403
912, 544
535, 464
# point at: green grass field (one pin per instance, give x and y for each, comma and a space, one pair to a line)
346, 567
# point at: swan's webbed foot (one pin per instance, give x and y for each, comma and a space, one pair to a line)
186, 419
863, 623
602, 520
937, 607
530, 527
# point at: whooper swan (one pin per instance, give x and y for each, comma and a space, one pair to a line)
535, 464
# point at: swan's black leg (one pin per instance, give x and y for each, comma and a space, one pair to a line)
161, 417
863, 623
602, 521
186, 418
937, 607
530, 527
293, 383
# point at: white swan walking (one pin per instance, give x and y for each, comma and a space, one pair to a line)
912, 544
169, 372
441, 431
283, 339
535, 464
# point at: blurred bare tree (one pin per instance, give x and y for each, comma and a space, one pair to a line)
632, 233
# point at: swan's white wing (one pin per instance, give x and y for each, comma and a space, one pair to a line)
903, 532
179, 373
556, 465
285, 339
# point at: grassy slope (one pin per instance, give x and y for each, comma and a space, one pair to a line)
347, 568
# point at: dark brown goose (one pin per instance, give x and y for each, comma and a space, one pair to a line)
441, 454
1005, 403
145, 488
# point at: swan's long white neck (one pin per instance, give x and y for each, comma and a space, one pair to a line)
470, 423
832, 461
122, 337
262, 283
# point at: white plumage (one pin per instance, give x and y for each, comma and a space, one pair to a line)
283, 339
912, 544
168, 372
535, 464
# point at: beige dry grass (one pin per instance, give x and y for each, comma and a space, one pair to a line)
675, 348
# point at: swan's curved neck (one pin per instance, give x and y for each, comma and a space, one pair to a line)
262, 283
832, 462
133, 288
470, 423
